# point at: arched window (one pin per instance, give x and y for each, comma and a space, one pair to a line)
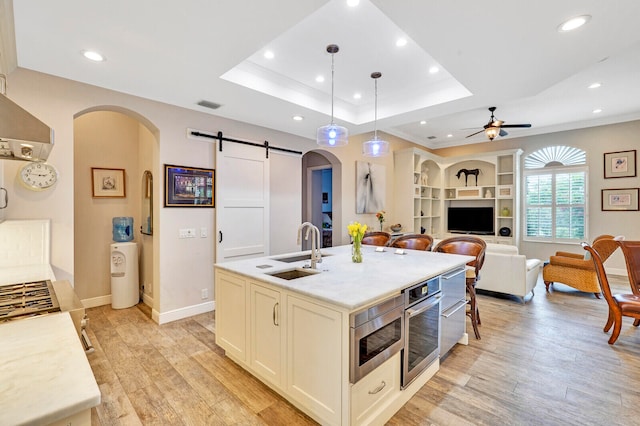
555, 195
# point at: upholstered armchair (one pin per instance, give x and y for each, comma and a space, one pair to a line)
576, 270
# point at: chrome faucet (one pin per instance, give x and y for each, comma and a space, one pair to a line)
316, 256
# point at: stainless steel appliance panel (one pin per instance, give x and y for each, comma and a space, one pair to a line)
377, 333
453, 309
422, 337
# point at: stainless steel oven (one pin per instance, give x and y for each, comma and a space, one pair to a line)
422, 328
377, 333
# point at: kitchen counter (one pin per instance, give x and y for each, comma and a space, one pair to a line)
351, 285
44, 373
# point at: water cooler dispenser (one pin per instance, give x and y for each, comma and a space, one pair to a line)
125, 288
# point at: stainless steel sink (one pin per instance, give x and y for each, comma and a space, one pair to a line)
292, 274
298, 257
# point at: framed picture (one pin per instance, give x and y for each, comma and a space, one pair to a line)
625, 199
188, 187
620, 164
108, 183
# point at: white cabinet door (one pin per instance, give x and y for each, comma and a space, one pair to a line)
231, 315
314, 350
266, 333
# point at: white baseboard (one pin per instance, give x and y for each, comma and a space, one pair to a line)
189, 311
96, 301
148, 300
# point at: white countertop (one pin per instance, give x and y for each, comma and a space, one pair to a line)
352, 285
44, 373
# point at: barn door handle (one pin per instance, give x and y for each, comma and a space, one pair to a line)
219, 236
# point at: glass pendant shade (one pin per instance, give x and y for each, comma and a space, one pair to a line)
492, 132
375, 148
332, 135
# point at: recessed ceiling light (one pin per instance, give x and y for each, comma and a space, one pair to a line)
357, 96
94, 56
449, 135
353, 3
320, 79
269, 54
597, 110
574, 23
298, 118
434, 70
595, 85
401, 42
423, 122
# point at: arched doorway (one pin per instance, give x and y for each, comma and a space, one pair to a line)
322, 194
112, 138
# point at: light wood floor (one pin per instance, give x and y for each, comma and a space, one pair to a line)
543, 363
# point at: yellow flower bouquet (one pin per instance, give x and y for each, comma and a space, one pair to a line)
356, 231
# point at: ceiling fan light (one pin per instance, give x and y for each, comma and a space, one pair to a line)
492, 132
375, 148
332, 135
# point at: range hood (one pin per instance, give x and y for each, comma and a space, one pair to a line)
22, 136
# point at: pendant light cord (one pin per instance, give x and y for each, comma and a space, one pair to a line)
332, 57
375, 114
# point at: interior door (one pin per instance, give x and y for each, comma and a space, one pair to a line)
242, 202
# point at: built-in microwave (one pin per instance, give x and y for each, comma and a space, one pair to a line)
377, 333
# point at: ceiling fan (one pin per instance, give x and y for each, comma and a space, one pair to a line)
495, 127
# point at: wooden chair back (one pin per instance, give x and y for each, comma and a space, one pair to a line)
631, 251
413, 242
468, 245
598, 263
376, 238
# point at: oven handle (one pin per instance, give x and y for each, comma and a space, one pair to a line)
423, 306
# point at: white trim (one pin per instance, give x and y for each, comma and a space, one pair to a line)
96, 301
186, 312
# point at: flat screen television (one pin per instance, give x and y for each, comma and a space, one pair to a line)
470, 220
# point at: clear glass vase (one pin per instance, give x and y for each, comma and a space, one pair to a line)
356, 251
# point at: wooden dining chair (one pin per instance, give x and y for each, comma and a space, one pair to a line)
631, 252
470, 246
413, 242
376, 238
620, 305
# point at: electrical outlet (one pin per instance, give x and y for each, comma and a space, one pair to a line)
187, 233
205, 293
203, 232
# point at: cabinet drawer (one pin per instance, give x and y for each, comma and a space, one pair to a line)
375, 387
452, 326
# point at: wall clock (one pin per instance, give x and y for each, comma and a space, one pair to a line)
38, 176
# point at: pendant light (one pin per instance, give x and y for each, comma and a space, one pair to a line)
375, 147
332, 135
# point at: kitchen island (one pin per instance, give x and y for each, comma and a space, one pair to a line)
294, 334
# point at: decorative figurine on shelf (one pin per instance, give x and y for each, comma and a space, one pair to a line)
380, 217
424, 176
467, 172
505, 212
422, 230
356, 231
488, 194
